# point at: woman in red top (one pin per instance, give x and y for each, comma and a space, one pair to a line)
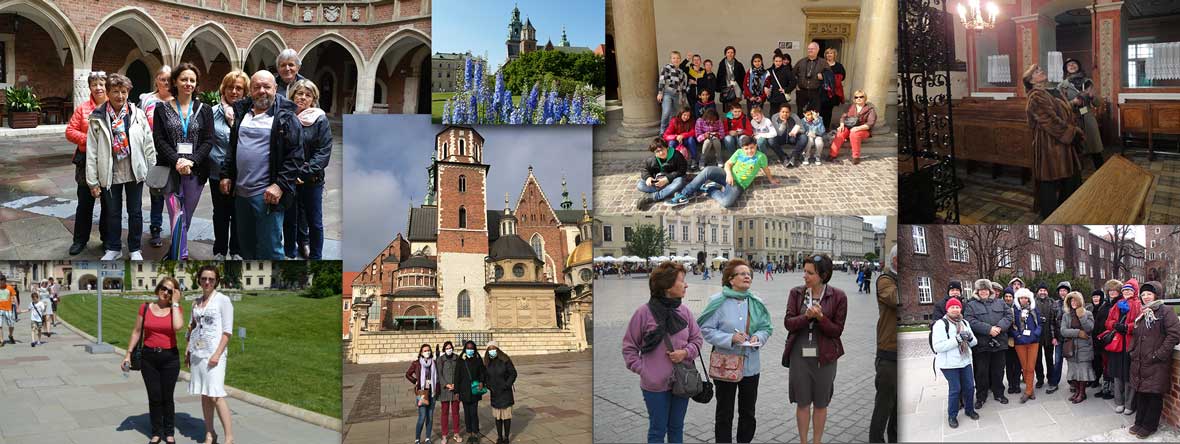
157, 323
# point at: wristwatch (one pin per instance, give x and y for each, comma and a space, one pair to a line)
174, 305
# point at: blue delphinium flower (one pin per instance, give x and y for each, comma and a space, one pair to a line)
498, 97
576, 110
446, 113
467, 74
473, 110
530, 106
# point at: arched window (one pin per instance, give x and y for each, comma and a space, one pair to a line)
462, 148
462, 217
462, 183
538, 248
464, 304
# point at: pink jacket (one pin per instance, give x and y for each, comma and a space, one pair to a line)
654, 367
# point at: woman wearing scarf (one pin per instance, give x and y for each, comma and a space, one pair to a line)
951, 338
1157, 331
754, 85
1056, 166
447, 362
119, 150
1076, 324
471, 374
1080, 94
303, 226
1120, 327
736, 323
423, 373
1026, 336
225, 233
661, 333
815, 321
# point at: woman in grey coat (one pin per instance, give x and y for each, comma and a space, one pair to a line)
1076, 321
447, 362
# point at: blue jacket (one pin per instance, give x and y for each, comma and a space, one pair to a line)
1032, 325
718, 331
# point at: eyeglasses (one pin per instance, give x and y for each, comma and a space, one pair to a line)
742, 274
205, 279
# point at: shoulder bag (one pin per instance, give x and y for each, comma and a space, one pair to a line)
686, 382
475, 389
706, 393
726, 367
137, 352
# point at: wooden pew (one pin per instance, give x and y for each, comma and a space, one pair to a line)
1118, 193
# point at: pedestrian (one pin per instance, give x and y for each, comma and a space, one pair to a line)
148, 102
672, 83
303, 225
183, 142
210, 327
664, 173
225, 232
990, 319
726, 185
54, 297
448, 396
77, 132
36, 318
119, 152
1157, 332
885, 402
954, 359
736, 323
1026, 334
810, 74
815, 321
42, 291
1118, 336
661, 334
471, 383
501, 379
423, 374
868, 281
156, 325
856, 125
1056, 164
262, 167
1076, 323
9, 307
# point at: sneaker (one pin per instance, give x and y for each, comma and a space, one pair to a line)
1002, 399
156, 241
112, 255
235, 257
34, 344
676, 201
817, 163
708, 186
1129, 412
1051, 389
137, 255
1118, 409
791, 163
806, 162
642, 204
219, 257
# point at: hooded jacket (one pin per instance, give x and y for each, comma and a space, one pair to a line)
501, 378
1083, 349
985, 314
1151, 347
1127, 318
673, 168
1025, 322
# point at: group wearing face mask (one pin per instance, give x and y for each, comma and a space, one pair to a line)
462, 377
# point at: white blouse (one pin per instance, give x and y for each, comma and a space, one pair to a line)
208, 324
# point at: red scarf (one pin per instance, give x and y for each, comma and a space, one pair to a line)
119, 143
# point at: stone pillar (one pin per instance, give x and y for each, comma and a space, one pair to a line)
81, 88
410, 95
876, 71
1026, 48
364, 92
638, 67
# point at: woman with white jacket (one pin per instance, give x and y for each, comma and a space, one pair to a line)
119, 151
952, 339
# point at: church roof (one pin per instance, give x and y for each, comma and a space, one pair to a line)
582, 254
569, 216
511, 247
572, 49
418, 262
423, 224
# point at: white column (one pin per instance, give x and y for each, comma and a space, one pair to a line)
410, 95
364, 92
81, 88
876, 68
638, 66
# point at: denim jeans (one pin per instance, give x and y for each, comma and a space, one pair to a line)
690, 153
112, 199
961, 382
726, 195
1055, 373
225, 232
260, 227
766, 146
668, 107
667, 191
731, 146
157, 215
665, 416
425, 415
305, 215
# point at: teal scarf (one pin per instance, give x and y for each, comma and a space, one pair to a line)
759, 316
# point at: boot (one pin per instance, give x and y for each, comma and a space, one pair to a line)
499, 431
1081, 391
508, 431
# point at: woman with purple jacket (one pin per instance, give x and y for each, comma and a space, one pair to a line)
648, 354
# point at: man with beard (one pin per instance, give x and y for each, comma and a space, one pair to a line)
1050, 308
261, 165
990, 319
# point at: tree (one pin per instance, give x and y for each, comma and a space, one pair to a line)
233, 274
993, 247
871, 256
647, 240
292, 274
568, 69
327, 279
1122, 239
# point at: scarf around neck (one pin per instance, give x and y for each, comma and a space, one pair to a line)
309, 116
964, 346
759, 315
120, 145
757, 75
426, 365
1148, 312
668, 321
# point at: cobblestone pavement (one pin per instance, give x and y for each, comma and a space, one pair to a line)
922, 409
38, 197
552, 403
619, 413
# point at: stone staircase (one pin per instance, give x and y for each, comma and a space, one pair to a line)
375, 347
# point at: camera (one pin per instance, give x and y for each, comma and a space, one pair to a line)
993, 343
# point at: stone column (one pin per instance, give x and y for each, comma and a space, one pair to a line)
876, 62
81, 88
410, 95
364, 91
638, 66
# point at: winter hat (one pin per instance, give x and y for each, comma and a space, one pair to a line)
1113, 285
1069, 299
1098, 293
1024, 293
1154, 287
1009, 290
1133, 285
1016, 279
1065, 66
1042, 286
1065, 285
983, 284
955, 285
952, 302
491, 344
996, 287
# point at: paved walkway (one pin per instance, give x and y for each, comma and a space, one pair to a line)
922, 404
619, 412
85, 399
552, 402
38, 197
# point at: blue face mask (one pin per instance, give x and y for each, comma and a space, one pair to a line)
492, 353
469, 352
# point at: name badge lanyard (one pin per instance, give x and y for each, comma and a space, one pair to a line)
811, 325
184, 119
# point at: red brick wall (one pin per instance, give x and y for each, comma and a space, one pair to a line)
935, 264
450, 200
535, 215
48, 77
1171, 414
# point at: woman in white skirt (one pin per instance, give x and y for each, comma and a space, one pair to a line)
48, 316
210, 326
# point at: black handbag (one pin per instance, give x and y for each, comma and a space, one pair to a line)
706, 393
686, 382
849, 121
137, 352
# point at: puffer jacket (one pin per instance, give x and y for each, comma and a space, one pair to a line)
99, 154
945, 341
1031, 324
501, 378
985, 314
1152, 348
1083, 349
317, 150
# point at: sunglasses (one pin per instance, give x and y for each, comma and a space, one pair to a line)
168, 289
858, 97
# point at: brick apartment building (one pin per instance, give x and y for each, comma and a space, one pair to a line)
931, 256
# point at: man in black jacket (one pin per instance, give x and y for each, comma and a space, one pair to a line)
261, 166
809, 73
990, 319
954, 290
663, 174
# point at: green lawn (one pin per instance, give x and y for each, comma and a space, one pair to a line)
292, 346
915, 327
438, 99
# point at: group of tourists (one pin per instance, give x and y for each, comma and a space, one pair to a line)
1119, 340
450, 378
706, 129
664, 339
262, 150
44, 297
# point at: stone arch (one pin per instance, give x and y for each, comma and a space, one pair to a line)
219, 37
85, 281
337, 38
363, 92
268, 39
143, 29
153, 63
317, 78
395, 48
416, 310
50, 18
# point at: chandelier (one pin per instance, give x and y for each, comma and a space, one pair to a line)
973, 19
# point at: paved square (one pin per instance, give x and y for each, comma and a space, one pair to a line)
619, 412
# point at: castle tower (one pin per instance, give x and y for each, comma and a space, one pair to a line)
514, 31
460, 184
564, 41
528, 38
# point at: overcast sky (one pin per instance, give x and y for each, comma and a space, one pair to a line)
877, 221
1104, 230
385, 162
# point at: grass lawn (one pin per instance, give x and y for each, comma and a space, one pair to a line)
292, 346
438, 99
915, 327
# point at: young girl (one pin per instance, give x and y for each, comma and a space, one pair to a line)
705, 102
36, 317
709, 131
754, 86
423, 373
681, 134
501, 377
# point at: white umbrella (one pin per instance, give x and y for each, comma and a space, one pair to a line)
720, 259
685, 259
634, 259
607, 259
663, 259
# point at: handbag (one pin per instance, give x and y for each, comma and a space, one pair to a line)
159, 180
476, 390
849, 121
706, 393
1116, 342
726, 367
137, 352
423, 397
686, 382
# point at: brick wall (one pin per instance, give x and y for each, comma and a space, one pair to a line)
450, 239
48, 77
1171, 414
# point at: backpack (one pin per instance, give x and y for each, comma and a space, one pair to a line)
930, 336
